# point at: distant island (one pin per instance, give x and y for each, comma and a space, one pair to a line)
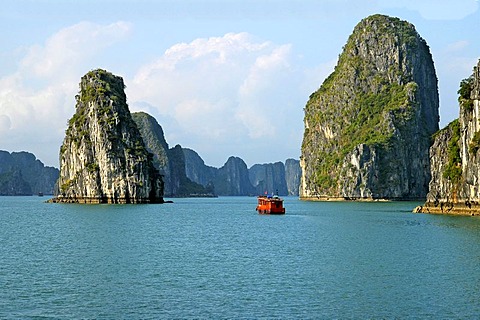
185, 174
21, 174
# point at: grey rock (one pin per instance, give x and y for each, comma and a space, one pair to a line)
103, 158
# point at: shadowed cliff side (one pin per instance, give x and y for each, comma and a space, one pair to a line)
170, 162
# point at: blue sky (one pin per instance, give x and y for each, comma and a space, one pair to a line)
221, 77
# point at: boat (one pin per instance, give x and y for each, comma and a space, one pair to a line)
270, 205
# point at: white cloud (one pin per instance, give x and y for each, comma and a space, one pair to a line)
38, 98
71, 47
227, 90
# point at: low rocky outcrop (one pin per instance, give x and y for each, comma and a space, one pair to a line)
103, 158
21, 174
368, 127
455, 157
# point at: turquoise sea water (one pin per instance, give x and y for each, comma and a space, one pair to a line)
216, 258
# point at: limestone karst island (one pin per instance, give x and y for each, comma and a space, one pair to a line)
103, 158
368, 127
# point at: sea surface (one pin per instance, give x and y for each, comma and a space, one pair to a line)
216, 258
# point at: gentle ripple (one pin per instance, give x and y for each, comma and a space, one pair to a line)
216, 258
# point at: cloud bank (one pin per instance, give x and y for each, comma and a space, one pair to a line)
227, 95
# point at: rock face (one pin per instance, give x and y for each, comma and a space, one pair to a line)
197, 170
186, 174
22, 174
170, 162
293, 173
368, 127
269, 178
103, 158
232, 179
455, 157
154, 139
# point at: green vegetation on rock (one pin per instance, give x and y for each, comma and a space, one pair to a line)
465, 91
453, 169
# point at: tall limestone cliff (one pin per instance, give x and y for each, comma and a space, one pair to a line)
368, 127
232, 179
154, 139
269, 177
455, 157
293, 172
103, 158
197, 170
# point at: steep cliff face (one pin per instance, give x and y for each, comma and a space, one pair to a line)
455, 157
197, 170
103, 158
169, 162
269, 177
368, 127
232, 179
22, 174
181, 185
293, 172
154, 139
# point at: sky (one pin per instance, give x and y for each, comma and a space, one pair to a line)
222, 77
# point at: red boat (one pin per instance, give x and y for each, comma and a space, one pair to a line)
270, 205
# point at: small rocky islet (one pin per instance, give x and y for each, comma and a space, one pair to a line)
103, 158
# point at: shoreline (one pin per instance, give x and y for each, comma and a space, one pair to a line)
466, 208
353, 199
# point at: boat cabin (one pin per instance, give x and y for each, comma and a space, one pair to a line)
270, 205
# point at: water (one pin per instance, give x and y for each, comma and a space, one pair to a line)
216, 258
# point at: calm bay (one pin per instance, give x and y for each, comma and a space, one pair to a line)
217, 258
